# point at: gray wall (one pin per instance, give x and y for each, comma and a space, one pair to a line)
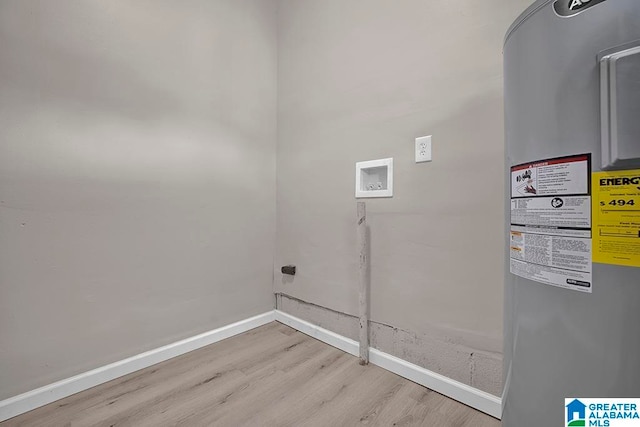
359, 80
137, 177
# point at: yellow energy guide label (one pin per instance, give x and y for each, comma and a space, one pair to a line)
616, 217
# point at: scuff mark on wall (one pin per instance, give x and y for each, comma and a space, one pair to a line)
477, 368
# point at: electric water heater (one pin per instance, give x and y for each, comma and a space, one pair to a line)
572, 288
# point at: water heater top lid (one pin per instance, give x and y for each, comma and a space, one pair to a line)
530, 11
562, 9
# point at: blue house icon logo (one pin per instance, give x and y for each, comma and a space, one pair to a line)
576, 413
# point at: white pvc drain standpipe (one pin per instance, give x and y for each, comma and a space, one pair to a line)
362, 279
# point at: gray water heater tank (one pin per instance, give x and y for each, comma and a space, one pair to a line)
572, 91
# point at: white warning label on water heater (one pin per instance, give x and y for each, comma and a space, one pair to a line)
550, 238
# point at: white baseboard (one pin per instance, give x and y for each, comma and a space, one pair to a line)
470, 396
338, 341
456, 390
28, 401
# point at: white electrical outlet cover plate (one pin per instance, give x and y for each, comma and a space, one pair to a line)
423, 149
374, 178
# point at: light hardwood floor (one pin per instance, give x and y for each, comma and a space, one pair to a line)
270, 376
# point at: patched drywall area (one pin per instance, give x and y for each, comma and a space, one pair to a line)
137, 177
360, 80
436, 350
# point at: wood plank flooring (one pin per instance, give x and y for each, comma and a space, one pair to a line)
270, 376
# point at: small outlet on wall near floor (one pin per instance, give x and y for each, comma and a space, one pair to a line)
423, 149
